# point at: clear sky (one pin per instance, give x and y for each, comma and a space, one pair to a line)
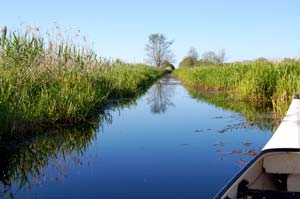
120, 28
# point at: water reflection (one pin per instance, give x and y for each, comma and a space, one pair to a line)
141, 156
23, 163
24, 159
257, 113
159, 96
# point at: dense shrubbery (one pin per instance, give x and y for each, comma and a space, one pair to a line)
167, 65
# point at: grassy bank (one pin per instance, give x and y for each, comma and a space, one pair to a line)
276, 82
52, 83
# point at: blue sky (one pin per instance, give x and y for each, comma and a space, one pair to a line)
119, 29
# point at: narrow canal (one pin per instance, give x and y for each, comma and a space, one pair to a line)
169, 143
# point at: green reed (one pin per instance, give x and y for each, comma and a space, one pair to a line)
50, 83
277, 82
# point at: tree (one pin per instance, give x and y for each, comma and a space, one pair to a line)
213, 57
261, 59
159, 96
158, 50
221, 56
209, 56
187, 62
193, 53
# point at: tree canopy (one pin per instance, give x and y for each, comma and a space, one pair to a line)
158, 49
208, 58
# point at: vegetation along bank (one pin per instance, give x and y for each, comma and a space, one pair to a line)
256, 80
45, 83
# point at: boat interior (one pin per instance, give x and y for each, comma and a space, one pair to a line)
271, 175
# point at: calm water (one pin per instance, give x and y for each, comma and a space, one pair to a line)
167, 144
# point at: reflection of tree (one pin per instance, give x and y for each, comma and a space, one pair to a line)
159, 96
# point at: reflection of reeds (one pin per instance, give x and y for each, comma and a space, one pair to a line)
258, 80
258, 114
24, 159
59, 82
23, 163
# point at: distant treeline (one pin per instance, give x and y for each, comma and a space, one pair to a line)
208, 58
211, 58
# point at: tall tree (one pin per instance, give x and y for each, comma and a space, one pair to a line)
215, 58
193, 53
158, 50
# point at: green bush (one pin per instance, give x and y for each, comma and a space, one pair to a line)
167, 66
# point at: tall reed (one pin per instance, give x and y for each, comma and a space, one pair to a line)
59, 83
276, 82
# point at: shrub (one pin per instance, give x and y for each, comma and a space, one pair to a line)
167, 66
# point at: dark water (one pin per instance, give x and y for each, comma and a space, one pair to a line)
170, 143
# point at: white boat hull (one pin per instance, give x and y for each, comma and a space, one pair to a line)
275, 172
